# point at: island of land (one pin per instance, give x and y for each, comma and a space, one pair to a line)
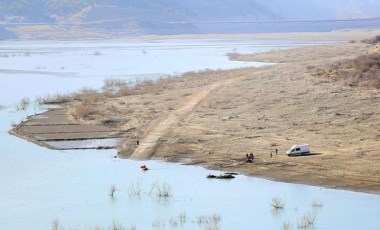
327, 96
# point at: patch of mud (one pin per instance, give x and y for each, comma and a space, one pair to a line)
54, 129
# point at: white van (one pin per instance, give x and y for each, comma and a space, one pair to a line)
298, 150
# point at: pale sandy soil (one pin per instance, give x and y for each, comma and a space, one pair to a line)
213, 118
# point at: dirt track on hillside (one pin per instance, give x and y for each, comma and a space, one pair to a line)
150, 141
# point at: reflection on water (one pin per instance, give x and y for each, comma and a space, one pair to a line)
39, 186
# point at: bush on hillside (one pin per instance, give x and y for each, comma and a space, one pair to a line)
373, 40
363, 71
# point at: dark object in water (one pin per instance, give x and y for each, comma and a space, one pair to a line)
143, 167
223, 176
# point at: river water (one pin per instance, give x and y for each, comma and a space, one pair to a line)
41, 186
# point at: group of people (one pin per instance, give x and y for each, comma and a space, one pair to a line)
250, 157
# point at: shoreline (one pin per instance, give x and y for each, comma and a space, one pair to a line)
256, 113
334, 35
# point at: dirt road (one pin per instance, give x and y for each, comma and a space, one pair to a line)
150, 141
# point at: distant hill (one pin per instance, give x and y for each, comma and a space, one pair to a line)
182, 16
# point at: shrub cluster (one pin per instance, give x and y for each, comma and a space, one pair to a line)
363, 71
373, 40
83, 111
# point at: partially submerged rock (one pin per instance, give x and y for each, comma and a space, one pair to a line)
222, 176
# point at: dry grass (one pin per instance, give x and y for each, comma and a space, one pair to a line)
54, 99
363, 71
83, 111
88, 95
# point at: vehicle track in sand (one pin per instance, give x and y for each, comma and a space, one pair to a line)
150, 141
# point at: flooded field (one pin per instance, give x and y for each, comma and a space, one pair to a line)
91, 189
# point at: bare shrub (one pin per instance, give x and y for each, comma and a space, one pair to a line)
211, 222
135, 189
363, 71
286, 226
23, 104
158, 223
182, 218
125, 91
373, 40
112, 84
173, 222
83, 111
56, 225
111, 122
179, 220
277, 203
87, 95
117, 226
307, 220
316, 204
54, 99
162, 190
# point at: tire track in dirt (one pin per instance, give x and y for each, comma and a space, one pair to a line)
150, 141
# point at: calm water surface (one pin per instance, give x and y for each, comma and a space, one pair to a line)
40, 185
37, 69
